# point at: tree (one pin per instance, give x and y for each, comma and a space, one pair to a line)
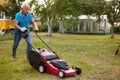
44, 11
12, 7
99, 10
59, 9
113, 12
63, 8
48, 4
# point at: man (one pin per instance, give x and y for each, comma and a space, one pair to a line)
22, 20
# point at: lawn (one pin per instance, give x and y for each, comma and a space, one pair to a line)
94, 54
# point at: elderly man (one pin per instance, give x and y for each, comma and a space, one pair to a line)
22, 20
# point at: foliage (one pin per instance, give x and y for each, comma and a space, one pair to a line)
117, 29
43, 28
45, 12
55, 26
113, 13
66, 7
11, 8
69, 24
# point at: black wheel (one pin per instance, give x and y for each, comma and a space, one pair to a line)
61, 74
42, 68
78, 70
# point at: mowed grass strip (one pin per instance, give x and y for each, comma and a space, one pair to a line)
94, 54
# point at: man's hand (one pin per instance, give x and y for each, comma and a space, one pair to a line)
23, 29
36, 28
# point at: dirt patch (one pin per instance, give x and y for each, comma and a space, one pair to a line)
102, 76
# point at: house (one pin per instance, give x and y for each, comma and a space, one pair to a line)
5, 24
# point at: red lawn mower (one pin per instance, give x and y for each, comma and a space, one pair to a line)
49, 62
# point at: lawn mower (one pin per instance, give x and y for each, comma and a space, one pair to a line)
49, 62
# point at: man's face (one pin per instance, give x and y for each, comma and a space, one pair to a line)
25, 10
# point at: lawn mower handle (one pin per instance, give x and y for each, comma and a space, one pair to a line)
43, 41
117, 49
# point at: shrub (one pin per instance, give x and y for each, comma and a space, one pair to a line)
55, 27
117, 29
43, 28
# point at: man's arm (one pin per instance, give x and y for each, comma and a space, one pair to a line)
35, 26
16, 25
33, 23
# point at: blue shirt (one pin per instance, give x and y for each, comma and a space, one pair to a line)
23, 21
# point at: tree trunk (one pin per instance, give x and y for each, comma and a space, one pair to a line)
78, 27
85, 25
98, 27
49, 23
61, 29
91, 26
112, 31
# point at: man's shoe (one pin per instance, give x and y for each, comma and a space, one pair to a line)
13, 58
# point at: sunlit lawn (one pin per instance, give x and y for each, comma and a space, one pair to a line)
93, 53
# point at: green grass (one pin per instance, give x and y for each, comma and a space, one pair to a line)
93, 53
6, 36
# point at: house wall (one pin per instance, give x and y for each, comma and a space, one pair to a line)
5, 24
